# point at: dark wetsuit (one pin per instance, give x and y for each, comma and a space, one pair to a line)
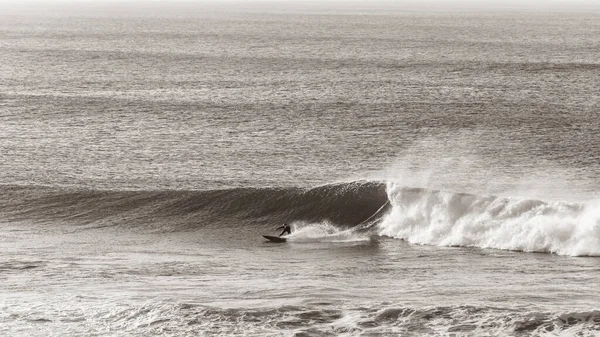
286, 230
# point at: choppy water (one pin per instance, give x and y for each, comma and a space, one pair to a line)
440, 171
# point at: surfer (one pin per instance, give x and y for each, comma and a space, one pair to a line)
286, 229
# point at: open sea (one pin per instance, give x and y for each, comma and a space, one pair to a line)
440, 171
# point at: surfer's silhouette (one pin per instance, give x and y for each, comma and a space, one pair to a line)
286, 229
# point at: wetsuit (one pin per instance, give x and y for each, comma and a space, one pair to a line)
286, 230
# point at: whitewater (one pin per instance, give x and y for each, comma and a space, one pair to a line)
439, 170
449, 219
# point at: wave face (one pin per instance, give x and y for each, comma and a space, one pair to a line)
343, 204
439, 218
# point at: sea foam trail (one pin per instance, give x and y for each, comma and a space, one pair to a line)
439, 218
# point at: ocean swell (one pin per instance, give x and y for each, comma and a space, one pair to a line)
439, 218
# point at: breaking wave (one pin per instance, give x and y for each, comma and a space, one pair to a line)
329, 212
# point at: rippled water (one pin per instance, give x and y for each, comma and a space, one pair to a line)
141, 158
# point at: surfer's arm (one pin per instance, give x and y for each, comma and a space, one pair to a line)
278, 228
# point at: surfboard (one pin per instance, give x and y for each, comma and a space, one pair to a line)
274, 238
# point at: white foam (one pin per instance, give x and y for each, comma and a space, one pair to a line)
432, 217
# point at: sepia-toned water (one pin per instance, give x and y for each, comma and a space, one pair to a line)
440, 171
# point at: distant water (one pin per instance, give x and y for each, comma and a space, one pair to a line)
440, 171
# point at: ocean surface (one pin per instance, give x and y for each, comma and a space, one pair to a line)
440, 171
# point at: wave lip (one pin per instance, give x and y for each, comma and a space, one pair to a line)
439, 218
